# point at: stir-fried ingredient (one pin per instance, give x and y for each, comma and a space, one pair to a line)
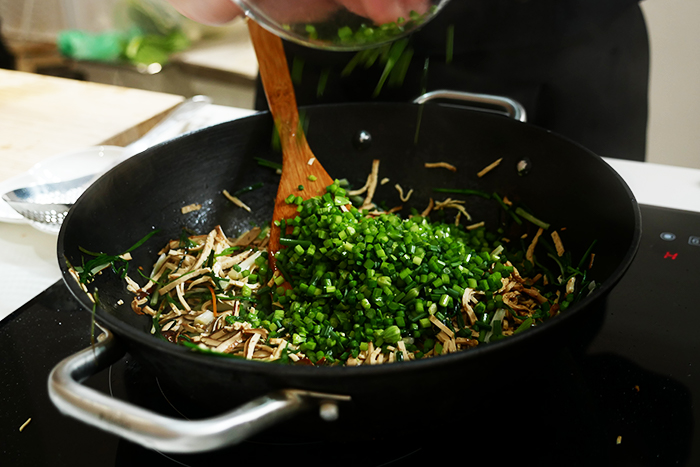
445, 165
353, 286
489, 168
375, 288
203, 292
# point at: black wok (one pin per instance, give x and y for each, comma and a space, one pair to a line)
566, 185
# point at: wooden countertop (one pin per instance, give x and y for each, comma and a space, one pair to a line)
41, 116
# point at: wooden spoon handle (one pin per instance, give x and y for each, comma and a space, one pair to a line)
299, 164
276, 80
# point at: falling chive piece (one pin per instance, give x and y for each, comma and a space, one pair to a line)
449, 52
526, 215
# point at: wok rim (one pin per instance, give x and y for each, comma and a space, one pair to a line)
124, 331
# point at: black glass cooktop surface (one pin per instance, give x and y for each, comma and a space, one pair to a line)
630, 400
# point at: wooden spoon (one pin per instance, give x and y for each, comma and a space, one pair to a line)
298, 162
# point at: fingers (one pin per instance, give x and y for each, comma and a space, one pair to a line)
385, 11
306, 11
286, 11
212, 12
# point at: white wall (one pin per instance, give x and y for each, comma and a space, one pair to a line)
674, 121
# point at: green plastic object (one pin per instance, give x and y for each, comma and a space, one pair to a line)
82, 45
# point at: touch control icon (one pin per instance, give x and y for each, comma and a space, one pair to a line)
668, 236
695, 241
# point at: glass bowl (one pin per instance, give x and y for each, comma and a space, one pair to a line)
342, 25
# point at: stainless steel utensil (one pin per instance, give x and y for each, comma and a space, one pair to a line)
46, 205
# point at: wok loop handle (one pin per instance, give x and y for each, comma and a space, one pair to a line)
511, 107
163, 433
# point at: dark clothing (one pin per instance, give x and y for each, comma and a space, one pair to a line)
7, 60
508, 24
580, 67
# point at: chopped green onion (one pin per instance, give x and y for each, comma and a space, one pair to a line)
255, 186
449, 52
463, 191
526, 215
267, 163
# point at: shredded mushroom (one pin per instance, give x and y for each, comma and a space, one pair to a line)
195, 314
24, 425
489, 168
372, 184
429, 209
444, 165
190, 208
403, 197
236, 201
454, 204
557, 243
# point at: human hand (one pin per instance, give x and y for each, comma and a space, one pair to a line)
285, 11
296, 11
213, 12
385, 11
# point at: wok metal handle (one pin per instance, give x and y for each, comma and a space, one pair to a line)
162, 433
511, 107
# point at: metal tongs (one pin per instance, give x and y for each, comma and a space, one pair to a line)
46, 205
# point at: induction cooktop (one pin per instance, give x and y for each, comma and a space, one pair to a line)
630, 400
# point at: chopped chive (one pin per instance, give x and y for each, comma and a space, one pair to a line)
463, 191
297, 70
527, 324
397, 48
424, 87
102, 261
526, 215
449, 52
252, 187
322, 82
267, 163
